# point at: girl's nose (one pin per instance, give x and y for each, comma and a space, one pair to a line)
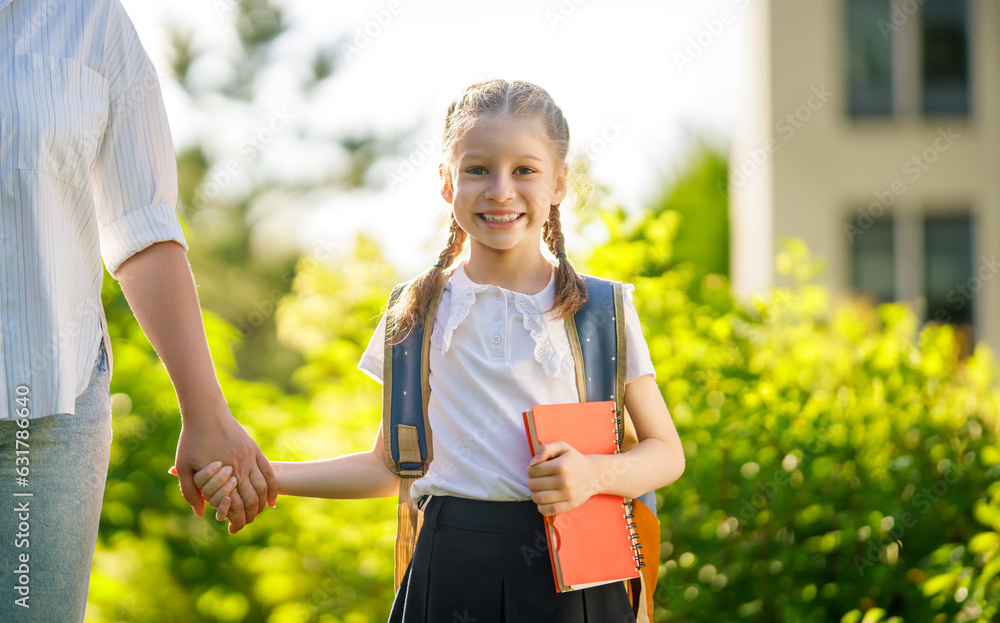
500, 189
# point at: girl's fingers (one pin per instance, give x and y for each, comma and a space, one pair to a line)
215, 500
544, 483
223, 511
551, 464
216, 483
549, 451
553, 509
206, 473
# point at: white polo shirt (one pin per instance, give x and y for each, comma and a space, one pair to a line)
494, 354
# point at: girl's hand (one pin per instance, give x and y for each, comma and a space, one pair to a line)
216, 483
560, 478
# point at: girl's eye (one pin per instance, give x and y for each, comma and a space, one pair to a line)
476, 170
524, 170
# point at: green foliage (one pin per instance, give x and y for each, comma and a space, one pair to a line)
702, 236
230, 194
308, 560
829, 452
687, 226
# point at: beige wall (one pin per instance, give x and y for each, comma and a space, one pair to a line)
823, 165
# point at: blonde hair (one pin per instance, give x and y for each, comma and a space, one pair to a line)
518, 99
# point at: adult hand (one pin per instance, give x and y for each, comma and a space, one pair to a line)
210, 437
216, 482
160, 289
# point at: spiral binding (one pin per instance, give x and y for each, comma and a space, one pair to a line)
619, 430
627, 506
633, 537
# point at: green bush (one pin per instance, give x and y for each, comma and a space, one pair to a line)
307, 560
830, 453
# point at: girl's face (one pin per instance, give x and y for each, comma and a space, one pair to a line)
503, 178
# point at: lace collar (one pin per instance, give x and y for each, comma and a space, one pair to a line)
460, 295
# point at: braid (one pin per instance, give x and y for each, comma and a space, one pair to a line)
571, 293
408, 310
456, 240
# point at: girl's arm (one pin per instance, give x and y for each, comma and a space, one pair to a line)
560, 478
358, 475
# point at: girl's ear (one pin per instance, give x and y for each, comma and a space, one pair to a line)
446, 190
561, 187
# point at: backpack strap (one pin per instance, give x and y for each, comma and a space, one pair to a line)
406, 431
599, 378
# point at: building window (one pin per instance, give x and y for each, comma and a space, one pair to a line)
948, 283
873, 271
907, 57
926, 260
945, 57
869, 62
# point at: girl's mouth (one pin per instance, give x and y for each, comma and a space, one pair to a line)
500, 218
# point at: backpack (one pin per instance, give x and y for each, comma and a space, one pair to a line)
597, 340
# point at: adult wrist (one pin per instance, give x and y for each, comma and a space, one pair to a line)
202, 407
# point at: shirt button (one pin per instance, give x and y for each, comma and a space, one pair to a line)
496, 339
497, 316
496, 295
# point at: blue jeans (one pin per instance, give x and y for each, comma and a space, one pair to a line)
51, 486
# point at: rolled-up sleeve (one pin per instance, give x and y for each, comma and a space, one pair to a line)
135, 169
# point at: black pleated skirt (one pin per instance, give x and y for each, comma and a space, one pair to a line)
488, 562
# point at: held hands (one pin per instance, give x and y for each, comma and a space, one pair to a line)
560, 478
208, 438
217, 484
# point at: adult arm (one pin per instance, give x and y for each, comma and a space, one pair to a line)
160, 289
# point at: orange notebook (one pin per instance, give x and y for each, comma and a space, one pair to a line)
594, 543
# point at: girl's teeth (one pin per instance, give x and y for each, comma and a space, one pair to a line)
499, 218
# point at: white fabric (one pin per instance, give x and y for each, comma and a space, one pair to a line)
87, 170
493, 355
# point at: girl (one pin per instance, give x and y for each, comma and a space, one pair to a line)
498, 346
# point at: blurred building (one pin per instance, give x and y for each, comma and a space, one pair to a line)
872, 131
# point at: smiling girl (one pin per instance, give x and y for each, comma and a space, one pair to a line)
498, 345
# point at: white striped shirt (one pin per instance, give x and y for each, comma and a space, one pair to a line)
87, 171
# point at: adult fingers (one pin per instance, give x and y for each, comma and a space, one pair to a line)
190, 492
269, 477
250, 500
259, 485
237, 517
